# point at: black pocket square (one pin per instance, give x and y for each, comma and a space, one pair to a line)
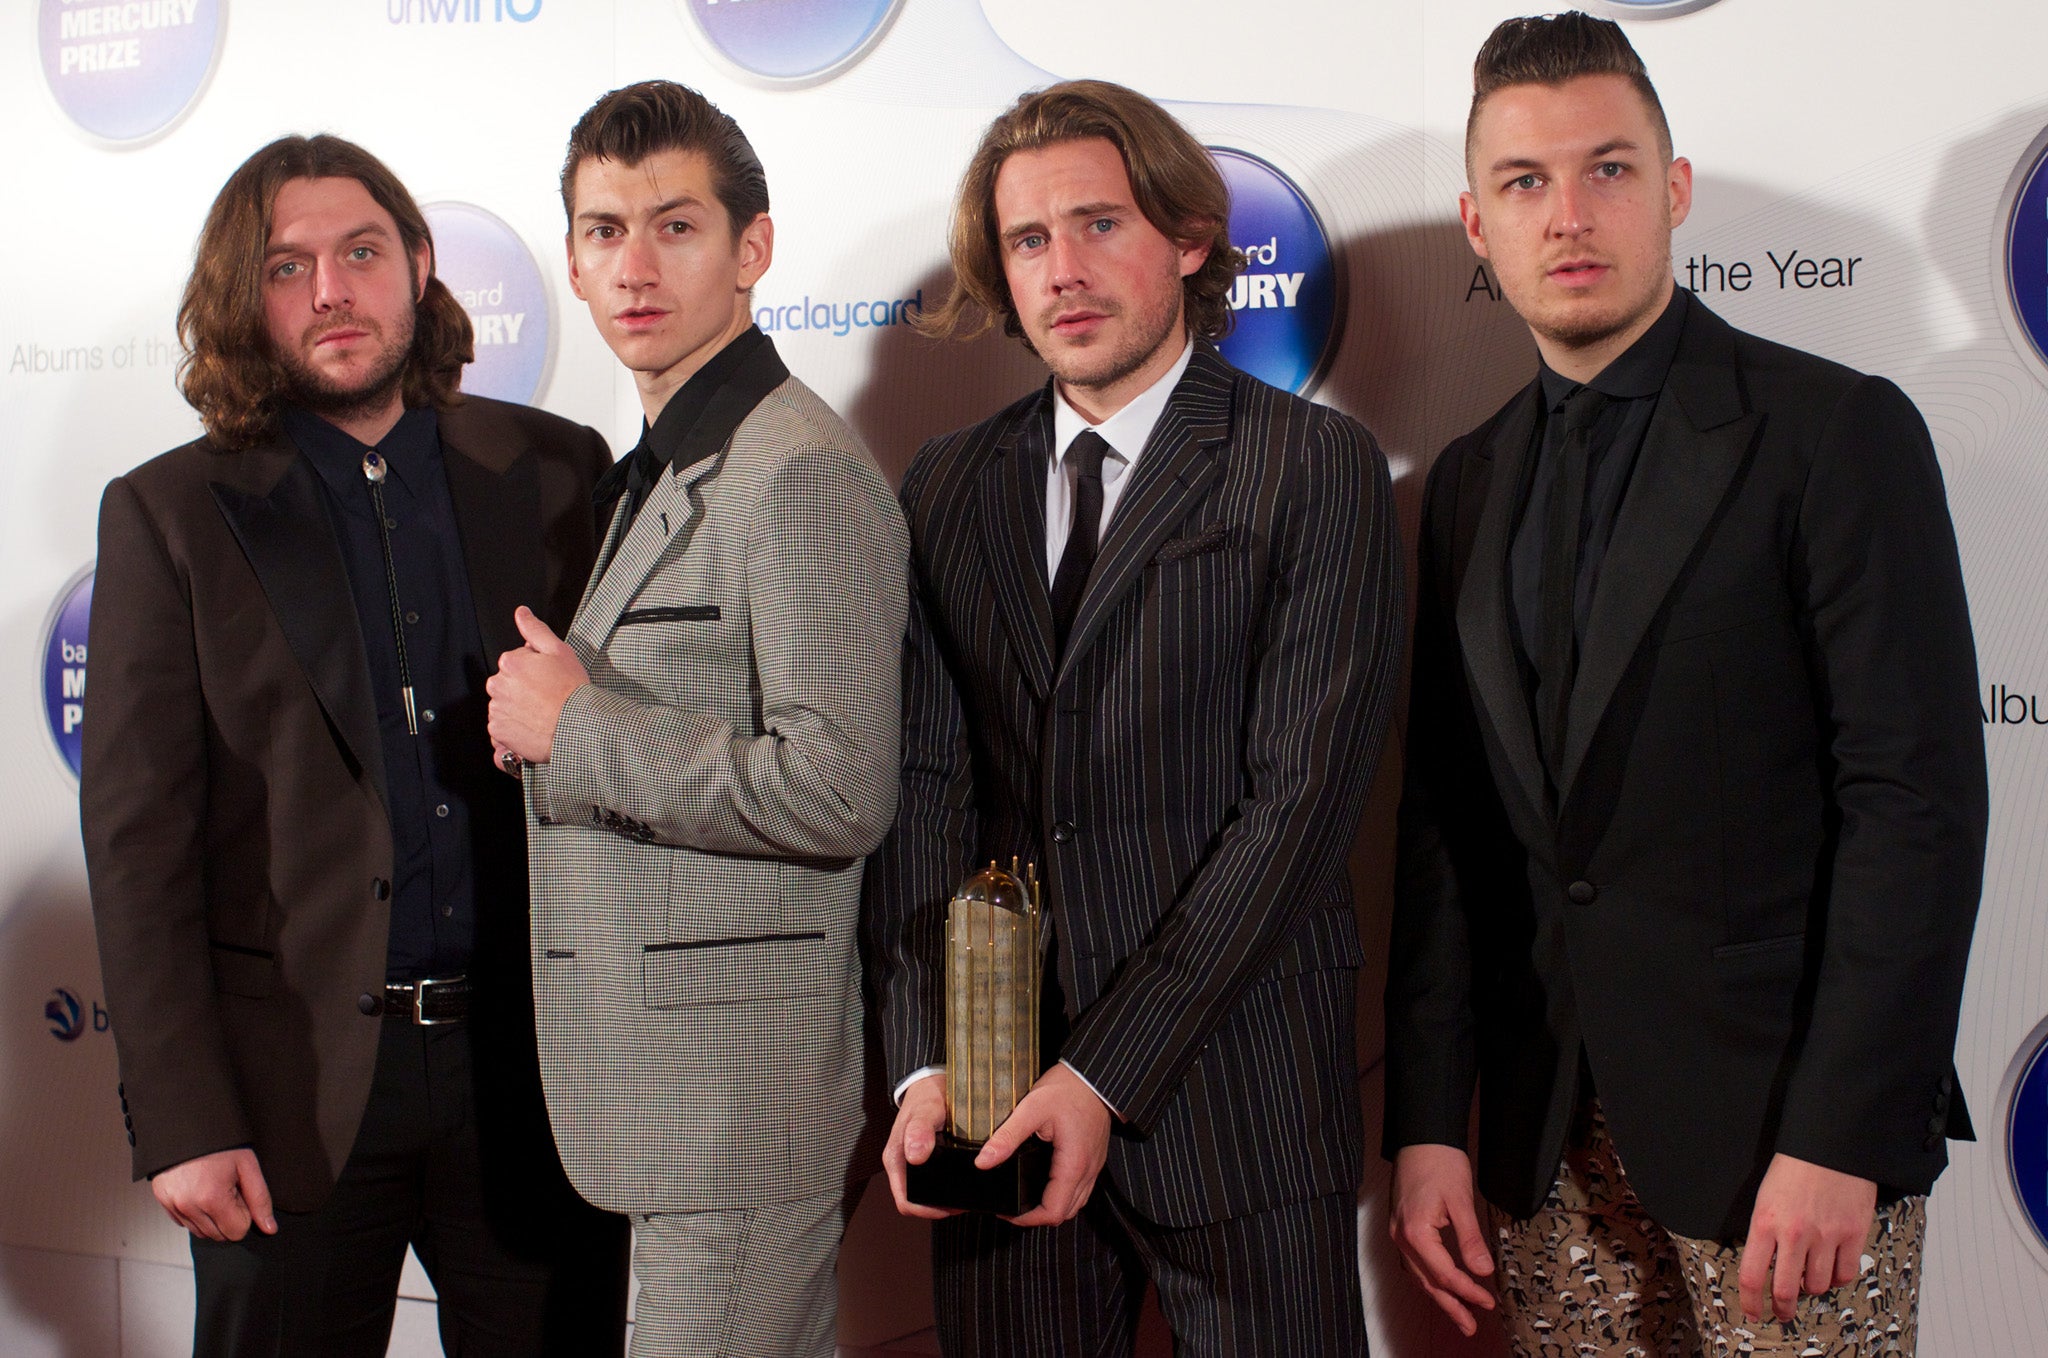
1209, 539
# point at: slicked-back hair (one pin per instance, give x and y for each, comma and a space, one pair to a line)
1550, 49
230, 372
637, 121
1174, 182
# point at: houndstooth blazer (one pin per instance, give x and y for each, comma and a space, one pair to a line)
698, 834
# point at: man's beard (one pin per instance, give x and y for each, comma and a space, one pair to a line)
307, 386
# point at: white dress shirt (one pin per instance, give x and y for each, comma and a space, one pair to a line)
1126, 433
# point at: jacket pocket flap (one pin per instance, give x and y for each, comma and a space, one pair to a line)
730, 970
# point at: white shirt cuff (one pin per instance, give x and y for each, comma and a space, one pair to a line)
1091, 1088
913, 1078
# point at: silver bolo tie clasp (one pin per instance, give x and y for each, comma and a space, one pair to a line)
374, 470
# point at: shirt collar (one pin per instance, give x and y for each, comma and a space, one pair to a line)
701, 416
1127, 431
1641, 369
411, 447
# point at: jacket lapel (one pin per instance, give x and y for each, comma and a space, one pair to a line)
497, 501
1012, 495
1181, 459
1698, 440
1489, 649
631, 552
277, 515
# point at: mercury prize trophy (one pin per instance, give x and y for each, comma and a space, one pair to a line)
992, 988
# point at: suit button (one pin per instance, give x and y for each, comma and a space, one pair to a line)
1932, 1143
1936, 1125
131, 1136
366, 1003
1062, 832
380, 888
1948, 1084
1941, 1103
1582, 893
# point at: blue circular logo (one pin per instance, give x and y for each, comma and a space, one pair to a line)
1647, 9
792, 41
65, 1014
493, 276
2023, 249
64, 668
2026, 1136
126, 70
1287, 300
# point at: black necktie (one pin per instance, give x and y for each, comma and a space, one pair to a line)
1086, 453
1558, 664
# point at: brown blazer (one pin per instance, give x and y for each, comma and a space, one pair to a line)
232, 792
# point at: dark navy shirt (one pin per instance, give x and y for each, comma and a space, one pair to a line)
1632, 382
432, 778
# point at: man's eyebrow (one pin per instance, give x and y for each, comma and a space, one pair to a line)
605, 215
1101, 209
286, 247
1605, 148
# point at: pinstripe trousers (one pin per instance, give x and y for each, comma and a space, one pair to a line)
1273, 1283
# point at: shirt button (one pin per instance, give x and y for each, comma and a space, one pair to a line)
412, 617
380, 888
1582, 893
442, 810
428, 714
366, 1003
1062, 831
391, 523
446, 911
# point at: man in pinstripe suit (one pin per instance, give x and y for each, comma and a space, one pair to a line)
1154, 626
709, 756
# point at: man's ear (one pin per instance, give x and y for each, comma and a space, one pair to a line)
756, 248
1475, 230
422, 270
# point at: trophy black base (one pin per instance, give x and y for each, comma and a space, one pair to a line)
948, 1178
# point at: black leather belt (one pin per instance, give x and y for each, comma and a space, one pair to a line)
443, 999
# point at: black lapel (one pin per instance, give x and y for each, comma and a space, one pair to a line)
497, 513
286, 534
1181, 458
1697, 442
1013, 540
1483, 599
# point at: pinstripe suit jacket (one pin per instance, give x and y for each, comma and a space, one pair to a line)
698, 833
1188, 775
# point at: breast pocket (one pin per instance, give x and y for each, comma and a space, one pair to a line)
1206, 559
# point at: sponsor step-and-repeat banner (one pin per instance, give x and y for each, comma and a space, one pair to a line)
1878, 200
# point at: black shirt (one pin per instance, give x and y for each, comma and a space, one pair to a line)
1632, 382
433, 779
698, 419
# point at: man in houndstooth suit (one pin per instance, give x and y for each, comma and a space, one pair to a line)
708, 756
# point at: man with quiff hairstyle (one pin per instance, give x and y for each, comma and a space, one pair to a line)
1693, 830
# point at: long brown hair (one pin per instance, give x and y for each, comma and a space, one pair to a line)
1174, 182
230, 373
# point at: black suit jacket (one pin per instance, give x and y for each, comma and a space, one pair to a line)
1753, 900
232, 793
1188, 776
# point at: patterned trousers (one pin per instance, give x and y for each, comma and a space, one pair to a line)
1590, 1273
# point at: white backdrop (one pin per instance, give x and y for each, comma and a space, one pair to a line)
1897, 135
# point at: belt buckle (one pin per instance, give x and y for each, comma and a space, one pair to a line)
419, 1001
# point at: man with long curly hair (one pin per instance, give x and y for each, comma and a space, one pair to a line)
1156, 614
309, 888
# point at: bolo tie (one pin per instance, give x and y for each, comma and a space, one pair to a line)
374, 470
